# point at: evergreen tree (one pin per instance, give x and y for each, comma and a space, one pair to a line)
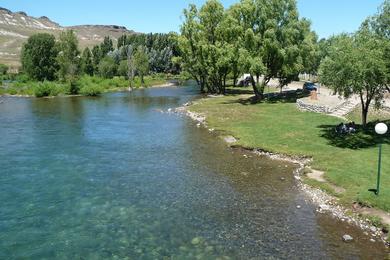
86, 62
96, 58
106, 46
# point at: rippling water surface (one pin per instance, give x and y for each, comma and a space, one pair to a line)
112, 177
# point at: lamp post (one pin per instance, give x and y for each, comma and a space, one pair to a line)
380, 129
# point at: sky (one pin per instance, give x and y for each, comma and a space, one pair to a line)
328, 17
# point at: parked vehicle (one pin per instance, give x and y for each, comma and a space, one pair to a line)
244, 81
309, 86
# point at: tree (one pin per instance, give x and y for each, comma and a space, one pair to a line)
380, 24
189, 43
130, 64
122, 41
68, 57
107, 67
205, 54
141, 62
269, 33
38, 57
123, 69
86, 62
96, 58
356, 64
276, 39
106, 46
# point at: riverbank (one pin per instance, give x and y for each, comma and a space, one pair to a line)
279, 128
85, 86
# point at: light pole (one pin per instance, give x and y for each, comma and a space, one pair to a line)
380, 129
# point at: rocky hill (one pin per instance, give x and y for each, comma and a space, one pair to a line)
16, 27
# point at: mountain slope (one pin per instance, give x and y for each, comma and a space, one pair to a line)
16, 27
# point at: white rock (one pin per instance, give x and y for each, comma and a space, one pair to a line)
347, 238
231, 139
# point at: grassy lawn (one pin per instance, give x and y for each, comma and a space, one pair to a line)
348, 161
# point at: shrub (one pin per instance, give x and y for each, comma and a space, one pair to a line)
22, 78
91, 90
42, 90
47, 88
12, 91
73, 88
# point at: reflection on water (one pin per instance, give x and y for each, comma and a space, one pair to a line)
111, 177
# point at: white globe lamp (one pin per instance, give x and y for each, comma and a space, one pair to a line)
381, 128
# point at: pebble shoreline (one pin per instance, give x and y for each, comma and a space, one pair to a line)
324, 202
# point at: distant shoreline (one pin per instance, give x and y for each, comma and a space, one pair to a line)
165, 85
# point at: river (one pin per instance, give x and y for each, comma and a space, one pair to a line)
112, 177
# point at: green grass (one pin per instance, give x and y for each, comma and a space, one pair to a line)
348, 161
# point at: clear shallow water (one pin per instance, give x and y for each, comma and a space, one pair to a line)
111, 177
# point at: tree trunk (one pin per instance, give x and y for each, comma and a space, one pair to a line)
235, 81
202, 85
255, 89
364, 116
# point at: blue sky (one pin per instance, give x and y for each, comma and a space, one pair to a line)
328, 16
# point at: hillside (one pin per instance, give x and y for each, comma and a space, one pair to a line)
16, 27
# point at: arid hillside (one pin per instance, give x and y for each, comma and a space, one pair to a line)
16, 27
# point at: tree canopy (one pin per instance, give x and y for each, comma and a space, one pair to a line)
38, 57
356, 64
68, 57
264, 37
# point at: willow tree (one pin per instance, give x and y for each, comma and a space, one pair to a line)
276, 39
263, 37
205, 55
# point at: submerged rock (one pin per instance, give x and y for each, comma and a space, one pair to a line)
196, 240
347, 238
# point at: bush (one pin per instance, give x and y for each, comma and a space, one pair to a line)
12, 91
73, 88
44, 89
91, 90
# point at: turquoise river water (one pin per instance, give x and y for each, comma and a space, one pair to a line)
114, 178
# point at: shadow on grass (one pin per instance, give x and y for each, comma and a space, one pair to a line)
239, 91
289, 96
363, 138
